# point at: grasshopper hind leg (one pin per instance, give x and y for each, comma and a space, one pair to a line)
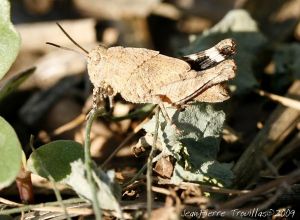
167, 117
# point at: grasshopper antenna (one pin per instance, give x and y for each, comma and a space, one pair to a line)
71, 39
64, 48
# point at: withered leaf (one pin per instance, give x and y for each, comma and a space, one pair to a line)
164, 167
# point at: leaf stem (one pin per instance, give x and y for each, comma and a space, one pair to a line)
89, 163
149, 165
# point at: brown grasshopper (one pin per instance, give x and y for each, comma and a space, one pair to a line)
145, 76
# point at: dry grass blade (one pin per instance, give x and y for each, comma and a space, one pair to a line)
70, 125
77, 211
288, 102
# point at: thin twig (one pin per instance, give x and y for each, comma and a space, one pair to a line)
123, 143
161, 190
238, 201
149, 165
133, 185
206, 188
108, 159
288, 102
31, 207
215, 189
135, 177
280, 190
270, 166
9, 203
286, 151
70, 125
49, 176
89, 163
71, 210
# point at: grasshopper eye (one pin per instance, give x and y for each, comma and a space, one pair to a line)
95, 56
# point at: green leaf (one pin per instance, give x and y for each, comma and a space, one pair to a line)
12, 84
56, 158
195, 148
108, 192
201, 126
239, 25
63, 160
10, 154
9, 39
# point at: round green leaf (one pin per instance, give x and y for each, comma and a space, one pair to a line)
10, 154
55, 159
9, 39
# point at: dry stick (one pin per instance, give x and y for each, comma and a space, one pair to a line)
70, 125
9, 203
71, 210
185, 185
132, 186
206, 188
288, 149
89, 163
32, 207
238, 201
149, 165
288, 102
270, 166
44, 169
272, 199
161, 190
267, 140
